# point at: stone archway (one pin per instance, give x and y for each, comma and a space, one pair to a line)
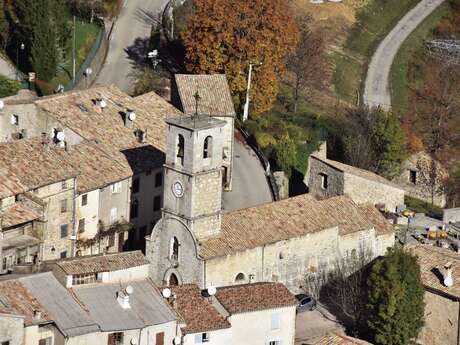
172, 277
173, 280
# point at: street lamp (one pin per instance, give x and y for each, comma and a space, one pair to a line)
88, 73
153, 55
246, 104
22, 47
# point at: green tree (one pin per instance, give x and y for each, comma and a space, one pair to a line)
374, 140
286, 154
395, 299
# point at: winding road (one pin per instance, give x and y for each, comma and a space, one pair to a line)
128, 48
377, 90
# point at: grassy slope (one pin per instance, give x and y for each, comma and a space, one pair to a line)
374, 22
411, 47
86, 34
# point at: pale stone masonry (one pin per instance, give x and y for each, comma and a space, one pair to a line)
327, 178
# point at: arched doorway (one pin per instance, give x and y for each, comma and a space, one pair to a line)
173, 281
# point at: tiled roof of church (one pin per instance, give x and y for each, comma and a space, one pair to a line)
349, 169
197, 312
272, 222
254, 297
215, 98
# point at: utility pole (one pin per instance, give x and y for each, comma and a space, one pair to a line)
246, 104
74, 48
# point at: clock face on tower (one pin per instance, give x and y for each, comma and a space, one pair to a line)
178, 189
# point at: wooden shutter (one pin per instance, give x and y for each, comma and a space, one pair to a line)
160, 338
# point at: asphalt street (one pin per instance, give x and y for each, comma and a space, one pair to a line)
377, 88
250, 186
128, 44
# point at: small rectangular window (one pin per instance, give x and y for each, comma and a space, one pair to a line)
201, 338
275, 322
64, 230
324, 181
413, 176
84, 200
45, 341
158, 179
63, 205
136, 185
113, 215
64, 254
81, 225
160, 338
115, 338
157, 203
64, 185
116, 188
274, 342
205, 337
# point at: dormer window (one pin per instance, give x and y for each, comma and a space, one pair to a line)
180, 149
207, 147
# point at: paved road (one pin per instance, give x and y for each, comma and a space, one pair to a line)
313, 325
128, 45
377, 88
250, 186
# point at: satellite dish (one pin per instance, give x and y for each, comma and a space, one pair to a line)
177, 340
132, 115
103, 103
60, 136
212, 291
88, 71
129, 290
2, 104
166, 293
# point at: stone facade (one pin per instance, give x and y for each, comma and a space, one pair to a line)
422, 178
327, 180
451, 215
11, 329
290, 261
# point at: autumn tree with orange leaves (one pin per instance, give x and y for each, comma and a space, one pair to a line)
223, 36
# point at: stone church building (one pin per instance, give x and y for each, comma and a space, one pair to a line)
194, 242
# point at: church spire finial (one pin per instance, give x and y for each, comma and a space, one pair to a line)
197, 100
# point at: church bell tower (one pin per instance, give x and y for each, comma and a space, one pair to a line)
193, 173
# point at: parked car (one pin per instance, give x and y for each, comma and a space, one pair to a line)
306, 302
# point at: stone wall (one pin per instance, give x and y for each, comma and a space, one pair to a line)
365, 191
423, 188
335, 179
52, 195
441, 321
291, 260
12, 329
228, 134
451, 215
188, 268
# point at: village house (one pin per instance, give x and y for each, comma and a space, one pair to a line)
423, 177
281, 241
105, 148
442, 301
326, 178
260, 313
120, 306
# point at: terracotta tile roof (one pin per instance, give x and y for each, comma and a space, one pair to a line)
215, 97
77, 110
254, 297
35, 164
380, 223
16, 214
102, 263
197, 312
432, 260
97, 168
368, 175
272, 222
15, 299
10, 185
338, 339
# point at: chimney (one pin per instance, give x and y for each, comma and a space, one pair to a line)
448, 279
37, 315
130, 117
123, 297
